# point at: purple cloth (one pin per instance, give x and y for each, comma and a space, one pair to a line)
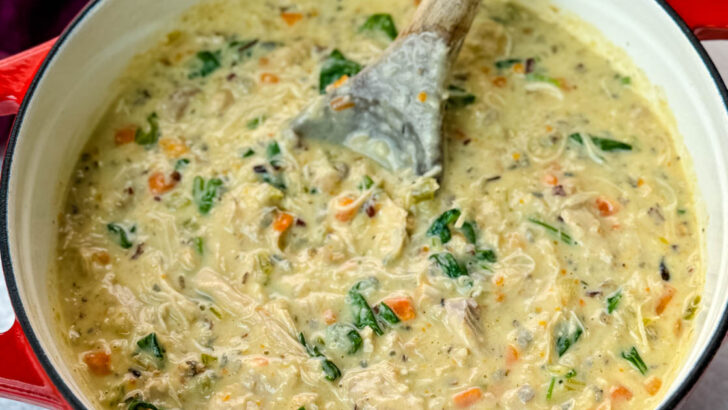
25, 23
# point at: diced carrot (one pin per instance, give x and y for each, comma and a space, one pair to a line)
664, 299
341, 103
158, 184
499, 82
652, 385
511, 355
345, 215
291, 18
269, 78
422, 97
341, 81
102, 257
282, 222
620, 393
606, 207
550, 179
519, 68
173, 148
125, 135
226, 398
417, 2
329, 316
468, 397
402, 307
98, 362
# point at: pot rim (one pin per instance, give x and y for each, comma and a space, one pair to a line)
7, 266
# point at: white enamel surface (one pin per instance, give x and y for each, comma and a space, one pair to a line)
658, 47
69, 100
74, 92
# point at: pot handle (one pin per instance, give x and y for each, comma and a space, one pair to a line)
707, 18
21, 375
16, 74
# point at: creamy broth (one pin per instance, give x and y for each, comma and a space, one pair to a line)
556, 264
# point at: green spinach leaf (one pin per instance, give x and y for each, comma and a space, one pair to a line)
204, 193
151, 136
449, 265
381, 22
335, 67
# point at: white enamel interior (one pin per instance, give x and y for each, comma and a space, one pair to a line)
74, 91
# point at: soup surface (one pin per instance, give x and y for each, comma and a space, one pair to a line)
208, 258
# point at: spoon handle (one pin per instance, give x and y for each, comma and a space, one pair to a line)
450, 19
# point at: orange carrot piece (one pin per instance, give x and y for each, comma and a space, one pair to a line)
652, 385
329, 316
619, 393
519, 68
341, 103
158, 184
125, 135
511, 355
665, 299
341, 81
606, 207
269, 78
98, 362
422, 97
291, 18
173, 148
550, 179
500, 82
468, 397
282, 222
402, 307
347, 214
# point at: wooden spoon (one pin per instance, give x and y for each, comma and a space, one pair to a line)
392, 110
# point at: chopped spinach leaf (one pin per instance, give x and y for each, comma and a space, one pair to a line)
381, 22
449, 265
273, 150
613, 301
487, 255
625, 80
604, 144
567, 334
366, 183
507, 63
344, 337
275, 180
181, 164
571, 373
122, 236
149, 344
440, 228
330, 370
458, 97
148, 137
633, 357
255, 122
204, 193
335, 67
468, 230
387, 314
362, 312
563, 236
207, 62
248, 153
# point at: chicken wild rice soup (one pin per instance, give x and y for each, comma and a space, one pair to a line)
208, 258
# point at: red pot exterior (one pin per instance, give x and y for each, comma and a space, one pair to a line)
21, 375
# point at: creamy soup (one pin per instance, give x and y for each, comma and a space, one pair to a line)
210, 259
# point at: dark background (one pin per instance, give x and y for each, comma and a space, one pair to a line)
26, 23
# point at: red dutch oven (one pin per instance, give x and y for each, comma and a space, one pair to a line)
59, 89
